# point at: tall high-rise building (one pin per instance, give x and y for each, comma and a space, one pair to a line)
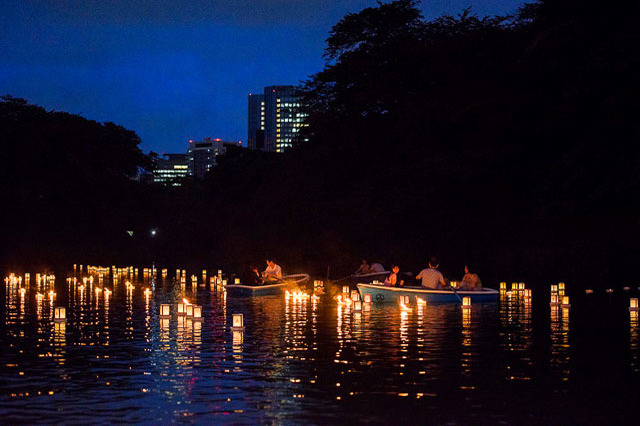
255, 138
280, 118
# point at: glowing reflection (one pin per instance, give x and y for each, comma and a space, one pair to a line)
634, 341
516, 333
59, 341
560, 348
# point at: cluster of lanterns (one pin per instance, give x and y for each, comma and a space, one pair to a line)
184, 308
518, 290
558, 297
351, 299
299, 296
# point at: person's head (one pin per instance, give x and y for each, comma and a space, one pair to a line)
253, 268
466, 269
270, 261
395, 269
433, 263
364, 262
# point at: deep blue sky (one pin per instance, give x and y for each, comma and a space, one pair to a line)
172, 70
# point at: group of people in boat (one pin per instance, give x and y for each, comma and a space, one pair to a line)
272, 274
430, 277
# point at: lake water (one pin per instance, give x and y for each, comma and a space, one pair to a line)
307, 361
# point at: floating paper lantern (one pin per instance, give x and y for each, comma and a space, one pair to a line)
527, 293
503, 286
554, 299
357, 305
404, 300
367, 298
466, 302
521, 286
197, 312
165, 310
565, 302
182, 307
189, 310
453, 284
355, 295
22, 292
238, 321
609, 290
420, 301
626, 288
554, 288
633, 304
236, 281
561, 287
588, 291
345, 289
60, 313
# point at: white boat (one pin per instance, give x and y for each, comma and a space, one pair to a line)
382, 293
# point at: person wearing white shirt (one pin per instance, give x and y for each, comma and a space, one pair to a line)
431, 277
376, 267
273, 271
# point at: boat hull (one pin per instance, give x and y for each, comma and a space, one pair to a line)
290, 282
384, 294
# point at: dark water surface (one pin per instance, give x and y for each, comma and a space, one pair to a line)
314, 361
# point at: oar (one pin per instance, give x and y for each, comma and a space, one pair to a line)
455, 292
342, 279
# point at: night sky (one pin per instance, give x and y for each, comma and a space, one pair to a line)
172, 70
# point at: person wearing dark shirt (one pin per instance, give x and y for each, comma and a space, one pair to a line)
253, 276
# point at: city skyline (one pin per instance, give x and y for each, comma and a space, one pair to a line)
167, 71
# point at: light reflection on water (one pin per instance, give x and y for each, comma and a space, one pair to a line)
297, 360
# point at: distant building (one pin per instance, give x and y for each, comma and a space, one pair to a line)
171, 168
275, 118
202, 155
255, 139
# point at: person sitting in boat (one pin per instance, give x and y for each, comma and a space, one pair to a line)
376, 267
393, 280
273, 271
253, 276
363, 269
470, 281
431, 277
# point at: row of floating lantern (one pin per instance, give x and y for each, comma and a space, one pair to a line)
517, 289
558, 297
184, 308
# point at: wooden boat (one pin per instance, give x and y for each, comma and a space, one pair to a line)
288, 282
382, 293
